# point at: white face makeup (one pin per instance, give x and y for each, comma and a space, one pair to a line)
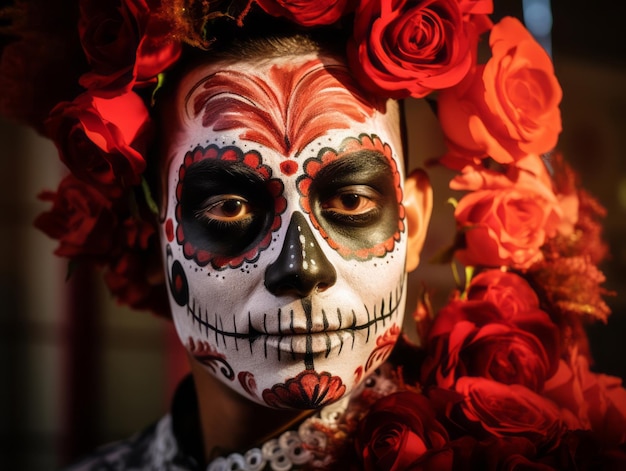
284, 231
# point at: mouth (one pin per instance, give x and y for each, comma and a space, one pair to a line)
332, 331
318, 343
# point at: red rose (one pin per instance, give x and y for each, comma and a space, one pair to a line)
481, 313
510, 292
407, 48
136, 277
507, 108
102, 140
597, 401
479, 338
495, 351
508, 411
400, 432
81, 219
306, 12
125, 43
137, 233
133, 280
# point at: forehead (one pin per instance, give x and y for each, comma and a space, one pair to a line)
282, 104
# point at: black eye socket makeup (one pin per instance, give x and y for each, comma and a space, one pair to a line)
225, 206
354, 199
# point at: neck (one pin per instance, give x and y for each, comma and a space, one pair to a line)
230, 422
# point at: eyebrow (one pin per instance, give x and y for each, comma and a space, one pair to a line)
366, 163
221, 172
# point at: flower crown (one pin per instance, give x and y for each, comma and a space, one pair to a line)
528, 236
506, 109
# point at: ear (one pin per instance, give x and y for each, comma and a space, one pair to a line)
418, 204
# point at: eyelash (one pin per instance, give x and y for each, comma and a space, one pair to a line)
352, 219
217, 225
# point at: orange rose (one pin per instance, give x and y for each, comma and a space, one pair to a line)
508, 216
503, 227
507, 108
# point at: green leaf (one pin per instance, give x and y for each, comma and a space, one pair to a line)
148, 196
160, 82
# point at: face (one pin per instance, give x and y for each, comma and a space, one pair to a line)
284, 231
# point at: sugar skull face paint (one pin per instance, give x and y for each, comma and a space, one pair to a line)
283, 228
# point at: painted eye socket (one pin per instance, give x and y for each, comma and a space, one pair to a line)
351, 203
226, 209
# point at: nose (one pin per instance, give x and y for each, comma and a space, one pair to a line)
301, 266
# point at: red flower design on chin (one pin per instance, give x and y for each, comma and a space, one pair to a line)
308, 390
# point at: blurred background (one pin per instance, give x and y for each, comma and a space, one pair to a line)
77, 371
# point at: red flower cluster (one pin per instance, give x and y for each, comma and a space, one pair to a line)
497, 392
102, 136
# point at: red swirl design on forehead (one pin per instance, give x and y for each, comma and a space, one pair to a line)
286, 109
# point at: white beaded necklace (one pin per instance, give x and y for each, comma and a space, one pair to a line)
291, 449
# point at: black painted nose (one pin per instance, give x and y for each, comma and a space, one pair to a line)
301, 267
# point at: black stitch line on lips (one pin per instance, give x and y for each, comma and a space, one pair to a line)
308, 355
253, 334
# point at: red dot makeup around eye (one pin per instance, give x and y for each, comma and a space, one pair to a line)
169, 230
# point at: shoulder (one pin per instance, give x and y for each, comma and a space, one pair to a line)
154, 448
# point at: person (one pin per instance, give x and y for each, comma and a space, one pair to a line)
284, 233
248, 162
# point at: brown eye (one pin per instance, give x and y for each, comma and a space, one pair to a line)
352, 200
225, 208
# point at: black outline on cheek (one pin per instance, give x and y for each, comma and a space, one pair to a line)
274, 186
